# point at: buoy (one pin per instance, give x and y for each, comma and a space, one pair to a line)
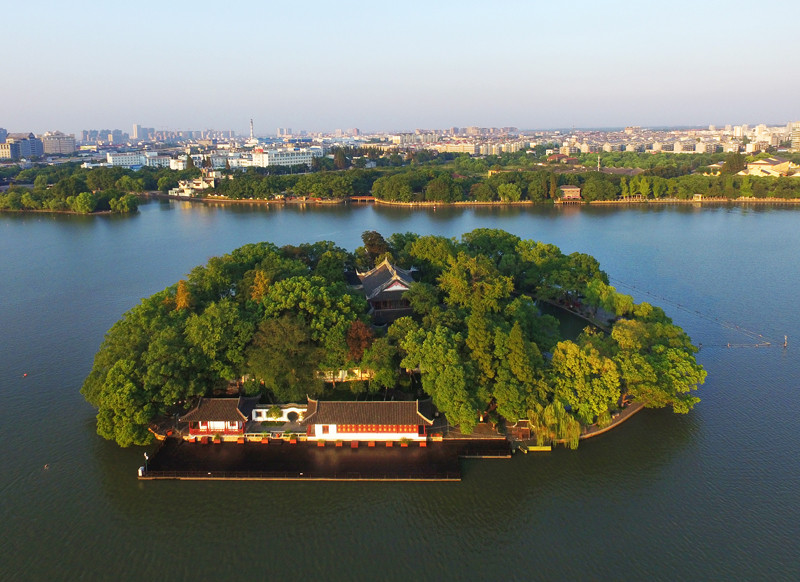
25, 375
46, 467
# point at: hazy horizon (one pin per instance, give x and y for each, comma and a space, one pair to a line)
323, 66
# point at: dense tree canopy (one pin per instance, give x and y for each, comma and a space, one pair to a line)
422, 176
279, 319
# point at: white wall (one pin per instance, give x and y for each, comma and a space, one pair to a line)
334, 435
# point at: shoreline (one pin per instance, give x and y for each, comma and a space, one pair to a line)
748, 200
277, 459
44, 211
622, 416
471, 203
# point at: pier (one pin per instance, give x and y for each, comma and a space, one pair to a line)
279, 460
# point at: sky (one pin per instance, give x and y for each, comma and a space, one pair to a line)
393, 66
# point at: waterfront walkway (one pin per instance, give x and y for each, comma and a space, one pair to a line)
306, 461
621, 417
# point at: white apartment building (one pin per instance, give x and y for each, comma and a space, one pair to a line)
705, 147
403, 139
153, 160
458, 148
284, 157
125, 159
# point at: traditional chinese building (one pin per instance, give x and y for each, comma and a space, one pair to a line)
219, 416
384, 287
367, 421
774, 167
570, 194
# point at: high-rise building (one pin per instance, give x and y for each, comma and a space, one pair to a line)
9, 151
58, 143
3, 134
795, 136
29, 145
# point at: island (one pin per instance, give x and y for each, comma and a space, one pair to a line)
454, 329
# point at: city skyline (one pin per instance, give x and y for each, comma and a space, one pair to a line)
385, 68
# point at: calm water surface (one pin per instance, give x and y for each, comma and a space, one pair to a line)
709, 495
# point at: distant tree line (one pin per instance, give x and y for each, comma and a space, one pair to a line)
423, 176
464, 178
68, 187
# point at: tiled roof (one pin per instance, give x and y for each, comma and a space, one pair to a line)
387, 413
769, 162
220, 409
381, 277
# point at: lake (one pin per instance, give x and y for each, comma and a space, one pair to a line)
708, 495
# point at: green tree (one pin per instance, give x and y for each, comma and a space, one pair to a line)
644, 187
474, 282
423, 297
167, 183
394, 188
128, 184
124, 204
382, 359
83, 203
339, 159
519, 385
220, 334
553, 191
28, 201
442, 189
444, 374
375, 245
657, 364
584, 379
482, 192
509, 192
623, 186
326, 309
285, 358
125, 409
734, 163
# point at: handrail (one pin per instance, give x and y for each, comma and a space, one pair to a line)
275, 475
